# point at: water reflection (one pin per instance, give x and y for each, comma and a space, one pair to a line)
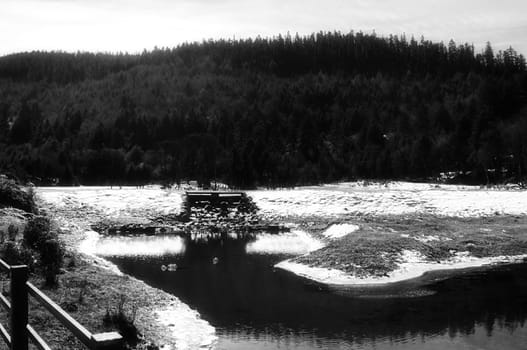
253, 305
294, 243
146, 246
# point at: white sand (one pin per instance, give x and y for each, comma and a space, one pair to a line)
326, 201
184, 324
125, 201
340, 230
294, 242
412, 265
393, 198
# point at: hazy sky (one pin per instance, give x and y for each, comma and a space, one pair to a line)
132, 25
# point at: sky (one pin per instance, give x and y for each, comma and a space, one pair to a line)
134, 25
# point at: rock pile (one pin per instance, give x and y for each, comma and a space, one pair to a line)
206, 219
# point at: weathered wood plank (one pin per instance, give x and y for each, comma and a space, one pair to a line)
36, 339
19, 307
5, 303
239, 193
4, 266
107, 340
5, 335
211, 194
213, 197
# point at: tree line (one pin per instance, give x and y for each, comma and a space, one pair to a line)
266, 112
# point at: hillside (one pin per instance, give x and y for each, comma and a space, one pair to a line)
268, 112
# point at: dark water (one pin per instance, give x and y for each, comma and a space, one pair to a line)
254, 306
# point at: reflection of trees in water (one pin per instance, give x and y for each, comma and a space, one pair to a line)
496, 300
491, 300
243, 296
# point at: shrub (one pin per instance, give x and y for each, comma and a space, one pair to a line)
124, 323
11, 195
14, 254
10, 253
37, 231
12, 232
10, 235
51, 258
38, 236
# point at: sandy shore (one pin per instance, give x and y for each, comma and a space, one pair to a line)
381, 233
392, 198
414, 267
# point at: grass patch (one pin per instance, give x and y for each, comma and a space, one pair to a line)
123, 319
376, 248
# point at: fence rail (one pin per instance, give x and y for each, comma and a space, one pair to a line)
21, 331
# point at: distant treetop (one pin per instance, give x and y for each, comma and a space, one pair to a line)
281, 55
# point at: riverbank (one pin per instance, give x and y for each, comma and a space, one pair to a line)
88, 289
413, 267
377, 251
161, 318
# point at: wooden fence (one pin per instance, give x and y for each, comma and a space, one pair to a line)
21, 331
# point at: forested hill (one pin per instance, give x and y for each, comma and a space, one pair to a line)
281, 111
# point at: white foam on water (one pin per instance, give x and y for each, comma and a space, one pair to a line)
294, 242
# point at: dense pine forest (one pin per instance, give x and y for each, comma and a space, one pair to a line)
266, 112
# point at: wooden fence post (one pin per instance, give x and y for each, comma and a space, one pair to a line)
19, 307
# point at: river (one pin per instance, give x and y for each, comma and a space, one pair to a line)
254, 306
